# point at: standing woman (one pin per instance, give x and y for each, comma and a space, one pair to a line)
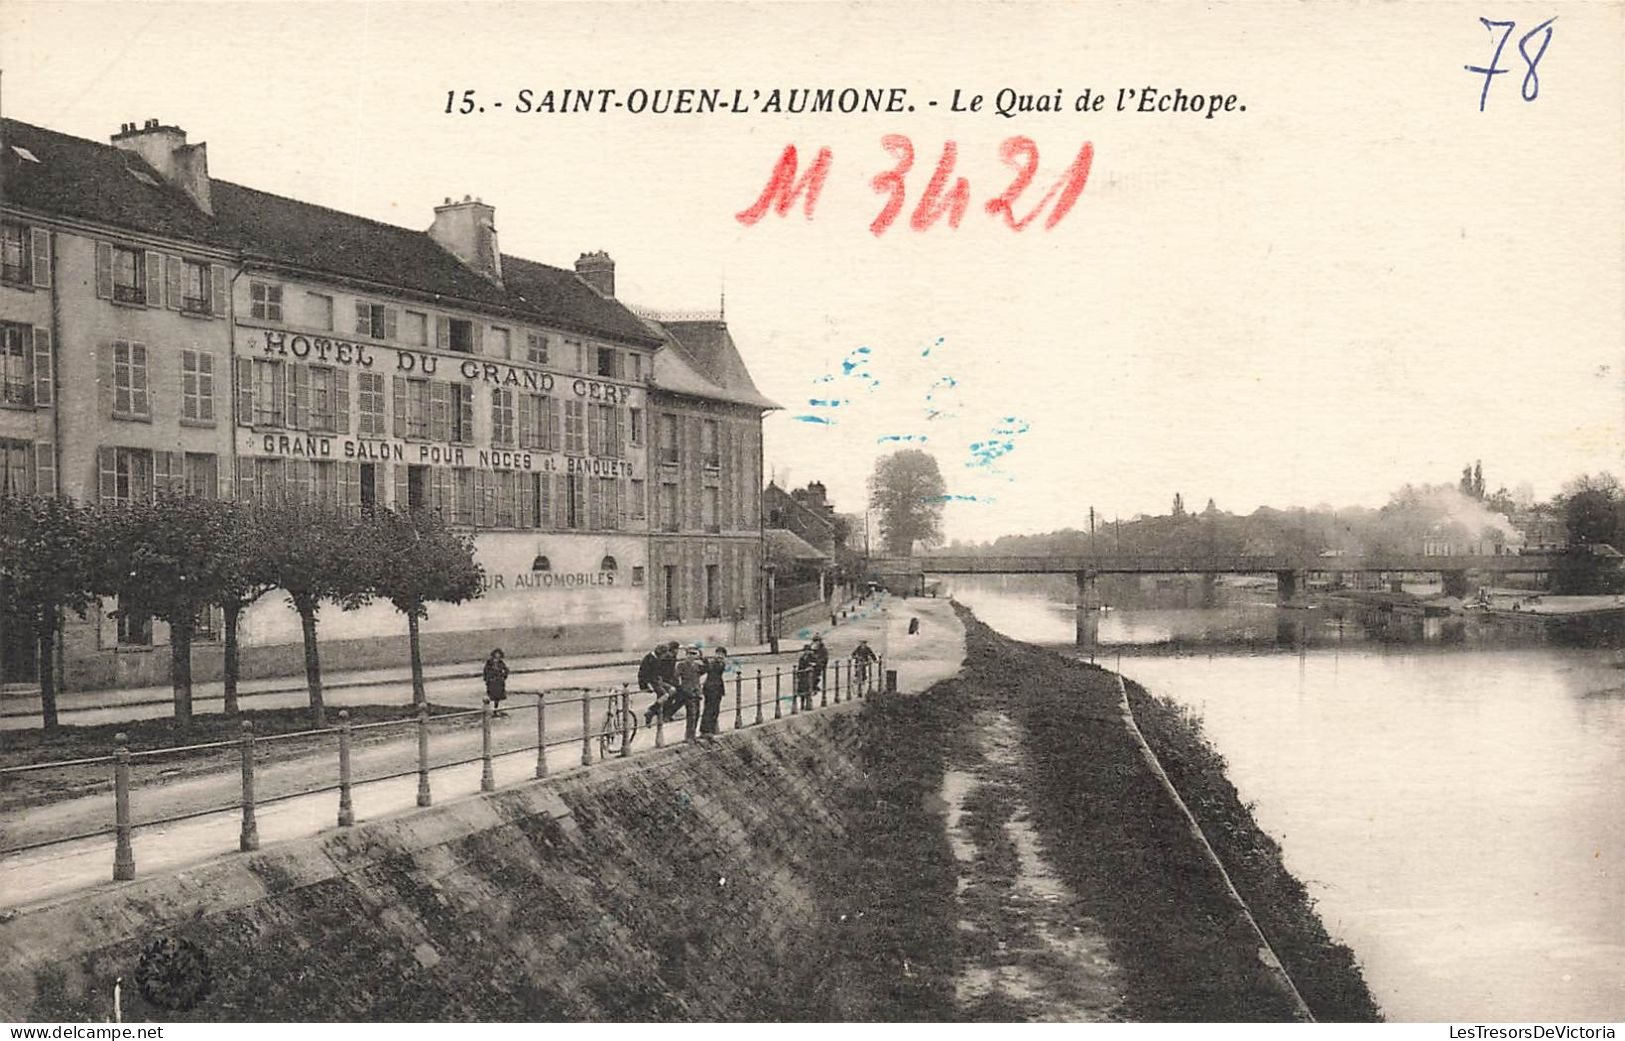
496, 679
715, 667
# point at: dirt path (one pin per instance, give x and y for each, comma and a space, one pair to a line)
1029, 951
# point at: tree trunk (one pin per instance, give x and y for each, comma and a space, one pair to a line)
47, 676
313, 665
232, 612
180, 670
419, 695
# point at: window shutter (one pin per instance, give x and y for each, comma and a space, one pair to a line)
403, 494
363, 318
245, 392
479, 336
140, 402
618, 449
544, 489
43, 382
440, 410
245, 479
160, 472
42, 257
595, 431
442, 332
550, 410
172, 269
44, 468
104, 270
389, 323
341, 401
217, 294
299, 480
350, 484
155, 279
177, 472
298, 407
561, 501
527, 420
107, 472
399, 387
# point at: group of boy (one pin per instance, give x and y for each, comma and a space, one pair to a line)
684, 681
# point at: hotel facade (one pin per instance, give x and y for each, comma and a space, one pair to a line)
164, 330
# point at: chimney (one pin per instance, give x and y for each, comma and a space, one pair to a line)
467, 230
165, 150
598, 271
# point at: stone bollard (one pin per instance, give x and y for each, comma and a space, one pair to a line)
541, 733
249, 840
739, 700
586, 727
626, 721
424, 797
758, 697
346, 810
123, 855
488, 781
778, 694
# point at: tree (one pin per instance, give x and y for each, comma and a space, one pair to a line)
48, 565
907, 490
315, 553
1592, 506
167, 558
1472, 480
1179, 505
249, 575
416, 560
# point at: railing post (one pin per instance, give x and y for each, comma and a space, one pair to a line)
586, 727
423, 756
488, 781
626, 721
758, 697
837, 682
739, 700
660, 723
346, 810
795, 693
123, 855
541, 733
823, 685
778, 693
249, 840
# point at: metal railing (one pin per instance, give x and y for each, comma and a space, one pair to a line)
610, 725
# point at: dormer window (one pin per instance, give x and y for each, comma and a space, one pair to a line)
609, 363
374, 320
456, 334
129, 276
196, 282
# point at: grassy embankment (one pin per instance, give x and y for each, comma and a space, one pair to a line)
892, 947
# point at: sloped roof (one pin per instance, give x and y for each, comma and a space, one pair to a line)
91, 181
787, 545
700, 358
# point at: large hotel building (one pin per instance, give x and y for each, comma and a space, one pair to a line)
164, 330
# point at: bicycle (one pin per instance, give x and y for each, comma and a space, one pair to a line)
619, 729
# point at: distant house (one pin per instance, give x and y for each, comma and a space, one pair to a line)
1543, 529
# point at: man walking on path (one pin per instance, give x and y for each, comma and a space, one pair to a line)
715, 667
820, 662
863, 661
689, 673
805, 666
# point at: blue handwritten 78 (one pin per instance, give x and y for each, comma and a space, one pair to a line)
1531, 79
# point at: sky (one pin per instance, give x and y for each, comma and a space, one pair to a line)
1362, 280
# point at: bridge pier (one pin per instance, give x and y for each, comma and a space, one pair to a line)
1456, 583
1210, 589
1289, 585
1087, 609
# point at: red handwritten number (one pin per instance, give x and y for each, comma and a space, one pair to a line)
782, 188
892, 181
1022, 153
1071, 185
932, 204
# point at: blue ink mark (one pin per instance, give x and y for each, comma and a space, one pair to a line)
985, 452
828, 402
927, 352
900, 437
1013, 426
849, 365
804, 634
825, 378
947, 382
685, 799
958, 498
1531, 79
937, 413
813, 419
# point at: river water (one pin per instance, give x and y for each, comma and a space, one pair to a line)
1456, 807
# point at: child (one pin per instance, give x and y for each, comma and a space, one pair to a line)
496, 679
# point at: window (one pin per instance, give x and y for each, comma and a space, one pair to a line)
134, 627
16, 256
197, 386
575, 427
372, 403
575, 355
603, 431
635, 507
202, 475
459, 335
507, 483
538, 422
709, 503
323, 402
668, 506
609, 363
270, 482
324, 482
603, 513
637, 574
16, 364
417, 487
502, 416
129, 276
196, 283
369, 485
417, 329
536, 348
270, 392
16, 475
540, 487
575, 500
713, 589
126, 475
463, 498
668, 438
708, 445
374, 320
501, 342
462, 413
670, 575
635, 425
265, 301
417, 408
637, 364
319, 311
130, 381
